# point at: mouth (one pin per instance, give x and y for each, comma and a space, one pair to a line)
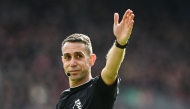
74, 71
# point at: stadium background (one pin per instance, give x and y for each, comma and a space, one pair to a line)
156, 70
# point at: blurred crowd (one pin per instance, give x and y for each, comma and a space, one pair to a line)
155, 72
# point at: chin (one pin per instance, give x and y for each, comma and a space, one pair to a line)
76, 78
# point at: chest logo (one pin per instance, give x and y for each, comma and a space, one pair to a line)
77, 105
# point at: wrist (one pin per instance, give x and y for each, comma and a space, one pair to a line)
120, 46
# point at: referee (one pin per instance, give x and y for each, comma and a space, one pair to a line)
99, 92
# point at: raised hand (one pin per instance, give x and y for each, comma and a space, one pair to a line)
122, 30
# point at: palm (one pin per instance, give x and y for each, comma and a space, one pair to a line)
122, 30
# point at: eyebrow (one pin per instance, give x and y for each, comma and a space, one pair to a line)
65, 54
74, 53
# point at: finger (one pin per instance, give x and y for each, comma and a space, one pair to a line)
132, 23
131, 19
126, 21
116, 19
131, 26
126, 14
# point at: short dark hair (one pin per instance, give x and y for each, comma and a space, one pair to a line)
77, 37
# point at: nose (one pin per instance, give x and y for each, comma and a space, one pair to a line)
73, 62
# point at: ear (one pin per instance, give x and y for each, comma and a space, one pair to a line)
62, 58
92, 59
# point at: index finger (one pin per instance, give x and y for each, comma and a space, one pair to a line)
126, 15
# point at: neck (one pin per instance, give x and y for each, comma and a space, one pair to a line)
77, 83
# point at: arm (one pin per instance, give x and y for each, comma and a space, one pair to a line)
115, 56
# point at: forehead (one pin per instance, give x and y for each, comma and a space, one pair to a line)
74, 47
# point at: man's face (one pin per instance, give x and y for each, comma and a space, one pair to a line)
76, 60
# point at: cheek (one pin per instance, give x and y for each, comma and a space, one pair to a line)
87, 64
84, 64
65, 65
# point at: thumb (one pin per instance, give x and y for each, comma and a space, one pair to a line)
116, 18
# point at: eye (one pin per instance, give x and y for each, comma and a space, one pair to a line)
66, 57
79, 56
